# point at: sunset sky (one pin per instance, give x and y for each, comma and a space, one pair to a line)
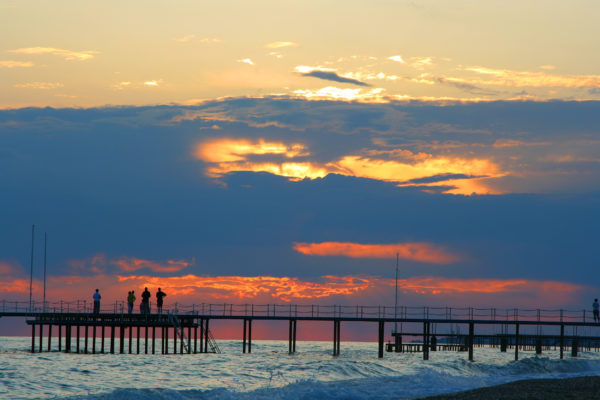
286, 151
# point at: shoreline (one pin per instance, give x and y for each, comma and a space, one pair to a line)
581, 388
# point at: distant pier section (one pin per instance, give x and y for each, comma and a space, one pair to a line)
180, 329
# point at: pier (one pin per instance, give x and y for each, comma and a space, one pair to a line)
422, 329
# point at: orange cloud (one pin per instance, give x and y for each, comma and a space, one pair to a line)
98, 264
133, 264
227, 150
422, 252
16, 286
193, 289
282, 288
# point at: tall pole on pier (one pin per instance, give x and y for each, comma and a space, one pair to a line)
396, 297
45, 247
31, 270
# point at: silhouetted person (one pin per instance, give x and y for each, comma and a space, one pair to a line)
146, 300
596, 308
159, 300
130, 301
97, 298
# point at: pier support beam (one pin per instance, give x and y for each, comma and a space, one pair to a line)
574, 347
426, 340
41, 336
68, 333
146, 339
166, 340
244, 337
85, 348
174, 340
33, 338
102, 341
122, 340
112, 339
196, 339
516, 342
77, 344
336, 337
471, 339
59, 337
130, 331
503, 344
94, 339
49, 337
292, 337
206, 337
381, 330
201, 335
397, 343
189, 346
562, 341
138, 340
181, 339
153, 338
249, 336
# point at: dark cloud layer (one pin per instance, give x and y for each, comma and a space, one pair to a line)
332, 76
124, 182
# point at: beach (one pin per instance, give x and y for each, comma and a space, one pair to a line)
581, 388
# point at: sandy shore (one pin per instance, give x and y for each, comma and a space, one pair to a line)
536, 389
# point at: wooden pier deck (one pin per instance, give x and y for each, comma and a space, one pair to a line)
434, 329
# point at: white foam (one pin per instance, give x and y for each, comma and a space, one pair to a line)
269, 372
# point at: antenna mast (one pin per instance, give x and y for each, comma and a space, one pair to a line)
31, 270
45, 246
396, 298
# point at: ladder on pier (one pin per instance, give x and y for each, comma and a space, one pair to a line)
214, 347
179, 331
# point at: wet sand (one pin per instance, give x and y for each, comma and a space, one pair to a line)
582, 388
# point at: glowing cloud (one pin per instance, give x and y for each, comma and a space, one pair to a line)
15, 64
278, 45
226, 150
282, 288
422, 252
184, 39
151, 83
334, 93
436, 286
290, 288
246, 61
39, 85
396, 58
230, 155
67, 54
506, 77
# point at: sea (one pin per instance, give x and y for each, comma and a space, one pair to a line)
269, 372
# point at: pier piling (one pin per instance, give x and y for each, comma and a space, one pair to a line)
381, 331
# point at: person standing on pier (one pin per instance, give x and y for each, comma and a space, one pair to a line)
159, 300
97, 298
596, 308
130, 301
146, 300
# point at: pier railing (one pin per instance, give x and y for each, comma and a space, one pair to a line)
312, 311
